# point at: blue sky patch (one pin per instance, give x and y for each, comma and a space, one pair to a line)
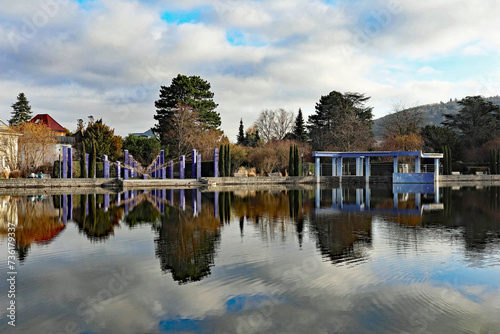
237, 37
195, 15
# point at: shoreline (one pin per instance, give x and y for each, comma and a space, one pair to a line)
114, 185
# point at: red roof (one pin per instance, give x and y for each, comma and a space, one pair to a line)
49, 121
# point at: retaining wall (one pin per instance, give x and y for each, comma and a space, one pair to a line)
57, 183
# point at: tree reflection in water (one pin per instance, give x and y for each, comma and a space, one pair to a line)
36, 220
96, 221
186, 243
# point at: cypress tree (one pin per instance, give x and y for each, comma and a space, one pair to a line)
291, 163
228, 160
222, 157
296, 161
93, 159
83, 170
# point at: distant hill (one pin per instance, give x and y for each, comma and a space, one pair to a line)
433, 113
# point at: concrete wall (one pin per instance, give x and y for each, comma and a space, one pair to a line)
54, 183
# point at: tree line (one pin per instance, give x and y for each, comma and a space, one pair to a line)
186, 119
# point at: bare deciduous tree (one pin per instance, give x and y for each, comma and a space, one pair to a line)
274, 124
36, 146
402, 128
403, 120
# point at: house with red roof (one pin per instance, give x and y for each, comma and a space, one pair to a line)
62, 139
50, 122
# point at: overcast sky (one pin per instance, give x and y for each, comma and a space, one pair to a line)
108, 58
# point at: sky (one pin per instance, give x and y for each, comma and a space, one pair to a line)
108, 58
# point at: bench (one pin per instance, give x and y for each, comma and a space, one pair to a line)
479, 173
240, 175
455, 173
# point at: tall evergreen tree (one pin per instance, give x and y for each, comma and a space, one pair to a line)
240, 139
185, 93
299, 130
341, 122
476, 123
22, 111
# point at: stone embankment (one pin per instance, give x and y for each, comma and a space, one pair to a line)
117, 185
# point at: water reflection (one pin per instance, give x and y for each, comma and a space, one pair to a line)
372, 259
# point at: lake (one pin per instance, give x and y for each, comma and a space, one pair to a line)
367, 260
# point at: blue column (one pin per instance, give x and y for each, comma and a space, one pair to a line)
87, 163
135, 168
118, 169
65, 208
359, 197
359, 167
70, 207
105, 166
340, 198
198, 166
198, 199
118, 199
367, 169
125, 199
182, 167
216, 162
193, 202
436, 170
170, 169
162, 162
125, 165
194, 157
367, 196
86, 205
334, 166
64, 163
106, 202
317, 166
182, 195
339, 168
317, 197
395, 164
144, 176
70, 163
417, 164
171, 196
216, 204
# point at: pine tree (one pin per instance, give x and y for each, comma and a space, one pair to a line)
240, 139
22, 111
299, 130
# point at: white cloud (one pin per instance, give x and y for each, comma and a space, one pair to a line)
109, 58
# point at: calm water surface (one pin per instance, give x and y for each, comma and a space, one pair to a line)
290, 261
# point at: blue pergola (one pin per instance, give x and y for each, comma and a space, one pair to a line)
416, 177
